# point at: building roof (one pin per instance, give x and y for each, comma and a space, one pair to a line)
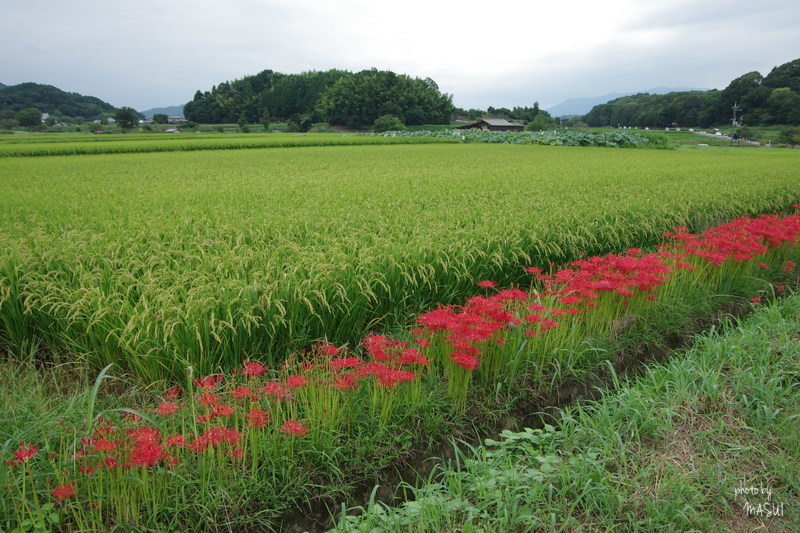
499, 122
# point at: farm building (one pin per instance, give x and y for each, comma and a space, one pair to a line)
494, 124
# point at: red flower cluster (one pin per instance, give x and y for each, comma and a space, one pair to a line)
23, 454
466, 328
63, 492
588, 279
739, 240
581, 285
293, 428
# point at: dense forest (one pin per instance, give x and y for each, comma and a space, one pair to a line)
49, 99
760, 100
334, 96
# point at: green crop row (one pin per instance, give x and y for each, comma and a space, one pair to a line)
123, 144
163, 260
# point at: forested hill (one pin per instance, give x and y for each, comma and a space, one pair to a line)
761, 100
49, 99
334, 96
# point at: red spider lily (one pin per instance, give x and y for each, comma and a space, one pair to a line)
345, 362
235, 452
788, 266
346, 381
296, 382
167, 409
258, 418
145, 434
104, 445
25, 452
486, 284
215, 436
173, 393
293, 428
146, 454
508, 295
223, 410
325, 349
208, 382
424, 343
209, 399
376, 346
242, 392
413, 357
390, 378
253, 369
470, 362
63, 492
176, 440
275, 390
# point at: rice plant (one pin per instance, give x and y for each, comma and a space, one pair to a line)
159, 261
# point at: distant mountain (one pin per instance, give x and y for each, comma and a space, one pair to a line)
3, 85
170, 110
581, 106
49, 99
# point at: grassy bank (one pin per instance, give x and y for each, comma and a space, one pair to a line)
706, 442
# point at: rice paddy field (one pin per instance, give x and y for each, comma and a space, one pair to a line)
259, 334
157, 261
80, 144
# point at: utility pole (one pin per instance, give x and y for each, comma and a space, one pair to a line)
734, 123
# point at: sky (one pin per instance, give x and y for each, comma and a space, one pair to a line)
502, 53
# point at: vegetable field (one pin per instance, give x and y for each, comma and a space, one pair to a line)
162, 260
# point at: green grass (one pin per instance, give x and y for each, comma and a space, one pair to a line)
679, 449
157, 261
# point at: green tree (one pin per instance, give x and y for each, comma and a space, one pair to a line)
789, 136
243, 125
160, 118
359, 99
127, 118
784, 106
540, 122
388, 123
265, 118
29, 118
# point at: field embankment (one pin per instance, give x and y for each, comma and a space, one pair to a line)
704, 442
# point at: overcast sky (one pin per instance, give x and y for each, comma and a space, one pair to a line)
501, 53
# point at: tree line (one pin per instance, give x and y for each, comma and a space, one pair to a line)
760, 101
334, 96
52, 100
